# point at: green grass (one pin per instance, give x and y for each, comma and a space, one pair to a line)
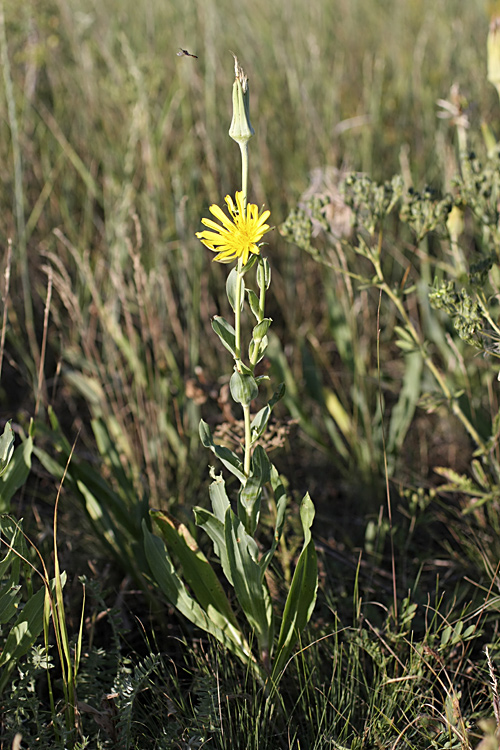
112, 148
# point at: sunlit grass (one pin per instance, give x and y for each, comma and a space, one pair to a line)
112, 147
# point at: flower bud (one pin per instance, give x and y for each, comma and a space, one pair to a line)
241, 128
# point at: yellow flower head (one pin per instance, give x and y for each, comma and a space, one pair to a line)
238, 236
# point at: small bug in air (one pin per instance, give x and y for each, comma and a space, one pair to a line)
185, 53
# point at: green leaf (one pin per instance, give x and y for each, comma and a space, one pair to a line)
261, 329
197, 571
218, 496
231, 289
254, 303
249, 498
251, 492
225, 455
214, 528
259, 422
259, 343
403, 412
13, 545
277, 395
6, 446
15, 473
261, 350
225, 332
243, 388
24, 632
251, 591
249, 264
261, 419
302, 595
173, 588
9, 603
264, 273
281, 502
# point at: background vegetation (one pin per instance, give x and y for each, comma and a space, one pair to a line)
112, 148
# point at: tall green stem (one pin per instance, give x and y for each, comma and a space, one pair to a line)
246, 409
237, 314
248, 440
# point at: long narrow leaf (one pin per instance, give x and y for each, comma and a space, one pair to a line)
278, 531
171, 585
251, 591
214, 528
225, 455
218, 497
302, 595
15, 474
6, 446
24, 632
197, 571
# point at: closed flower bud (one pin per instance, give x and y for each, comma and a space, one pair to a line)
241, 128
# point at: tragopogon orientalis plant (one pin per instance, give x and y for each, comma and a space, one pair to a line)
198, 594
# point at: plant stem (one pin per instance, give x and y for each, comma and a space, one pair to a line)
237, 315
246, 409
248, 440
244, 170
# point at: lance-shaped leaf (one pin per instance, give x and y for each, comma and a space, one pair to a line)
251, 591
280, 499
259, 342
6, 446
225, 332
228, 458
214, 528
231, 288
173, 588
278, 531
260, 330
218, 496
302, 595
24, 632
13, 545
264, 273
16, 473
254, 303
197, 571
9, 603
250, 493
260, 420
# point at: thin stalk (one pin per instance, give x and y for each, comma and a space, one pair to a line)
246, 409
248, 440
244, 170
237, 315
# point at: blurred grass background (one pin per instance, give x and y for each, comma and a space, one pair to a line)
112, 143
112, 149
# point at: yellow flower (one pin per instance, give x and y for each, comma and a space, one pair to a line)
239, 235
